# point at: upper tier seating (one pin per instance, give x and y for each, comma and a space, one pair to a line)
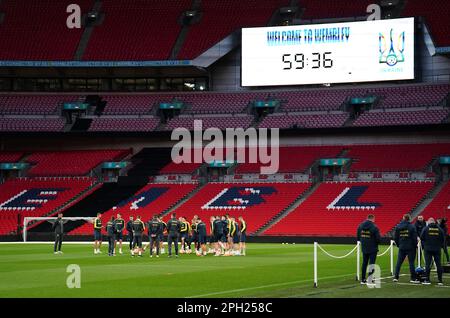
36, 197
10, 156
37, 30
70, 163
325, 9
435, 13
256, 202
337, 208
220, 18
150, 200
139, 30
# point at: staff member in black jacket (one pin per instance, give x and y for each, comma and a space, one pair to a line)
129, 228
173, 234
58, 228
442, 223
111, 232
369, 236
420, 225
406, 240
433, 240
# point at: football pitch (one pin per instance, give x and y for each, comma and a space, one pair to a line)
268, 270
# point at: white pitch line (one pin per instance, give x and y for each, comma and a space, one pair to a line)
411, 284
265, 286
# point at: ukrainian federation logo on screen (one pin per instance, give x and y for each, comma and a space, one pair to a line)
392, 51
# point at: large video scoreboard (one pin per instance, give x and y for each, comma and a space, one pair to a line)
365, 51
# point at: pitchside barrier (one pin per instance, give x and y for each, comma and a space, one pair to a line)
356, 249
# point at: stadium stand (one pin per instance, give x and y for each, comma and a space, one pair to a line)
34, 104
336, 208
433, 12
37, 197
124, 124
181, 168
401, 118
221, 122
406, 157
31, 124
303, 157
314, 100
292, 120
124, 34
326, 9
10, 156
37, 30
70, 163
152, 199
440, 206
132, 104
256, 202
220, 18
410, 96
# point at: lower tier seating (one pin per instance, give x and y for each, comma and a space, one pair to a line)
336, 208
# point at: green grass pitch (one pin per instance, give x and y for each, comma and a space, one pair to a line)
268, 270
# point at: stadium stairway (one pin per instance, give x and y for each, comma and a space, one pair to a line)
427, 199
89, 28
288, 209
101, 200
149, 161
422, 205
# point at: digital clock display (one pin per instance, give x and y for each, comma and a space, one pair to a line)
363, 51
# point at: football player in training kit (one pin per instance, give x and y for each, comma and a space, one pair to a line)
161, 235
138, 230
98, 233
218, 236
235, 237
194, 236
243, 236
120, 225
184, 234
201, 228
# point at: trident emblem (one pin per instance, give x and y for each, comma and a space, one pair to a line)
390, 57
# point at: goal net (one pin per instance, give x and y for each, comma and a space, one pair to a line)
31, 221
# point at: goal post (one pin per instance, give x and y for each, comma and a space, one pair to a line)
28, 220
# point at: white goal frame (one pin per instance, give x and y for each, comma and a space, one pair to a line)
27, 220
